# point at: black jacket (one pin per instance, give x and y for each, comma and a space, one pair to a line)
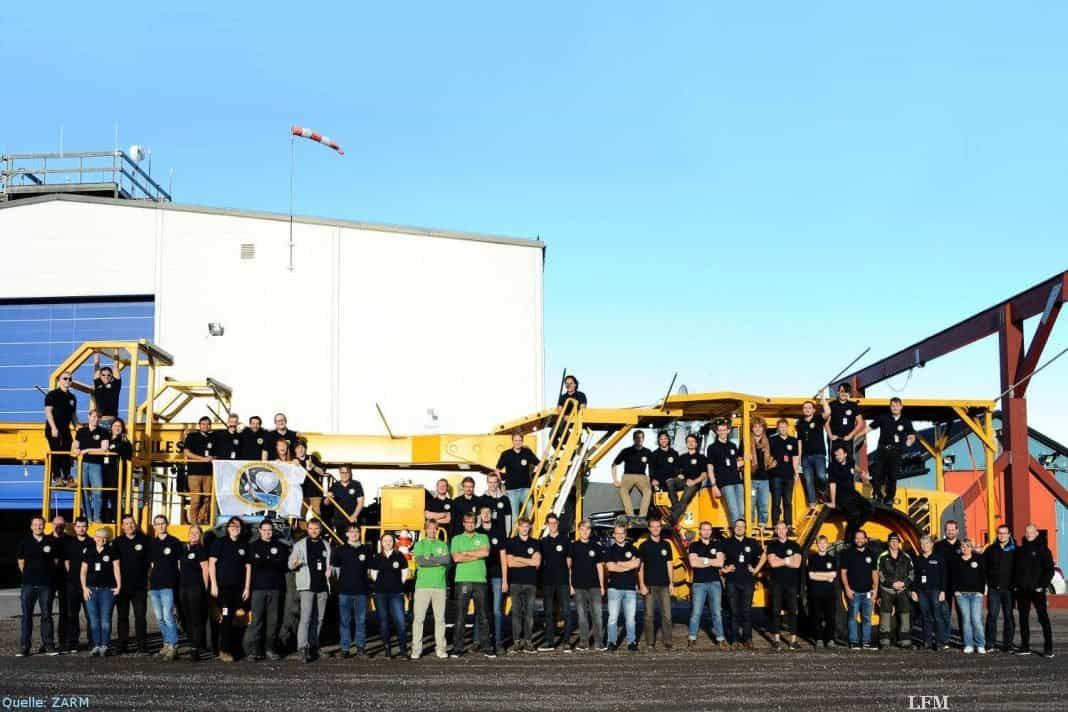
1032, 565
998, 563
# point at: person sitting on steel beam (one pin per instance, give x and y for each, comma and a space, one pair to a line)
895, 431
691, 470
635, 461
843, 494
663, 463
844, 421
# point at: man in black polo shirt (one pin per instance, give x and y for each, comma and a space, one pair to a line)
37, 560
784, 450
860, 581
706, 560
948, 548
199, 454
466, 503
555, 586
843, 495
439, 505
497, 501
517, 465
106, 389
519, 577
281, 432
663, 465
810, 429
59, 581
73, 550
165, 556
621, 563
588, 587
821, 572
351, 561
496, 532
132, 548
227, 442
655, 584
692, 469
60, 410
91, 442
929, 594
895, 432
346, 495
270, 561
784, 558
725, 473
635, 461
254, 440
844, 421
743, 557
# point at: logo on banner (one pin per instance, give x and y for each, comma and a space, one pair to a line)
261, 485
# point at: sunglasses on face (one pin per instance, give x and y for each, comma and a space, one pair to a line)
65, 378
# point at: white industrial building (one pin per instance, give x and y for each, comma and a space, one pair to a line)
443, 329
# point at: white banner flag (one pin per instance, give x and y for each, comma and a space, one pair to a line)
245, 487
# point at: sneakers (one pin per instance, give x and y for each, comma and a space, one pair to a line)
981, 650
169, 653
632, 647
612, 647
273, 656
830, 644
854, 646
968, 650
22, 653
546, 647
491, 654
441, 655
1048, 655
869, 647
1023, 651
581, 649
51, 652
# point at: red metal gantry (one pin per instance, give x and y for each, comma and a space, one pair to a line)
1017, 362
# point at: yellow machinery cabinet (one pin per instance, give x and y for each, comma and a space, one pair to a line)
403, 507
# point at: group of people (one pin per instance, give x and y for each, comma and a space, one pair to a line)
267, 577
776, 462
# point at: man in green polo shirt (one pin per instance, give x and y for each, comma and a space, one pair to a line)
431, 559
469, 551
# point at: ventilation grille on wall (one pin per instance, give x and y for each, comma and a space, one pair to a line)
248, 251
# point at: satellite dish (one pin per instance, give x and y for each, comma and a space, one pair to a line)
138, 153
683, 390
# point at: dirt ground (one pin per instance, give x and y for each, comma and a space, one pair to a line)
703, 679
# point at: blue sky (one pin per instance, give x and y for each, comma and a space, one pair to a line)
747, 193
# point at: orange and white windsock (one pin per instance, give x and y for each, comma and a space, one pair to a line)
314, 136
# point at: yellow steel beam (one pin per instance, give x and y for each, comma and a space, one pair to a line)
975, 427
990, 442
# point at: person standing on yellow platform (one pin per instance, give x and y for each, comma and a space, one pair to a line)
635, 460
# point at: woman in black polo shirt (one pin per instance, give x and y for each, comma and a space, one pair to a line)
389, 571
311, 489
230, 565
193, 581
101, 581
120, 451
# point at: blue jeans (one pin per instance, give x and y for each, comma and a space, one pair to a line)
93, 500
352, 609
516, 497
814, 475
860, 603
40, 596
971, 607
628, 601
493, 591
734, 496
934, 632
391, 606
945, 618
762, 502
100, 604
163, 607
711, 591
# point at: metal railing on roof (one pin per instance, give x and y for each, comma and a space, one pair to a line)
97, 172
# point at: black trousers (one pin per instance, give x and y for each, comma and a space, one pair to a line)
193, 602
229, 601
1036, 599
60, 463
885, 474
783, 598
856, 510
740, 600
262, 632
123, 602
71, 609
821, 614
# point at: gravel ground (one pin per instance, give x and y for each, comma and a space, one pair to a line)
697, 680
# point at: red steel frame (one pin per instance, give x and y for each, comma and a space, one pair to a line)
1017, 360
